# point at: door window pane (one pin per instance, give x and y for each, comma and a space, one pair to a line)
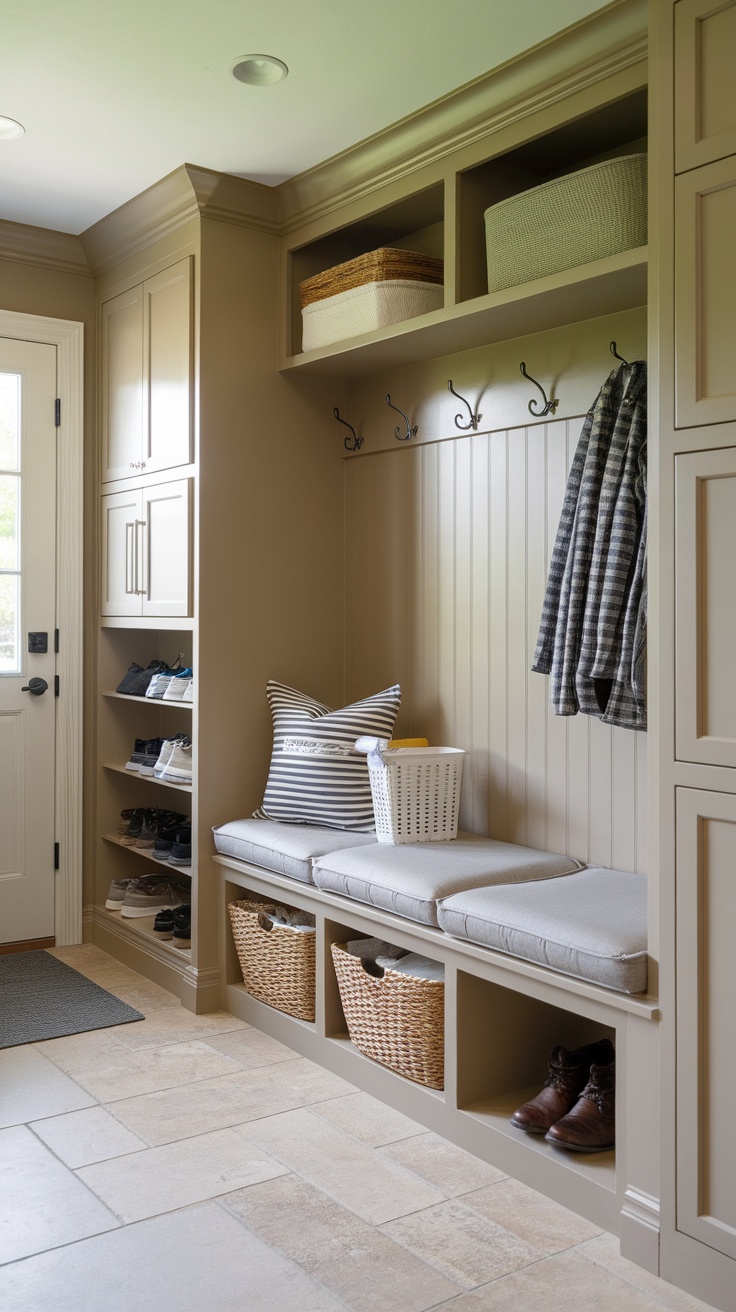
9, 491
9, 624
9, 421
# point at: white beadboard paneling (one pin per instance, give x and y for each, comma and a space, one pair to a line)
448, 548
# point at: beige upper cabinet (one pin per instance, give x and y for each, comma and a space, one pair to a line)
146, 550
705, 102
705, 294
147, 369
706, 616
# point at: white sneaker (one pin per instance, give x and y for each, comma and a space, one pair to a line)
188, 693
178, 769
174, 691
166, 753
158, 685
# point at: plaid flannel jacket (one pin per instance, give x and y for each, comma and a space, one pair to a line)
592, 635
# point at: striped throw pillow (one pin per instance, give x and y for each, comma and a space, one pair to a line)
316, 777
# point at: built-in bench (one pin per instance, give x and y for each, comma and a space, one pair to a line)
534, 905
558, 956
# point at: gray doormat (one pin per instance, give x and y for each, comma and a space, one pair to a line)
43, 998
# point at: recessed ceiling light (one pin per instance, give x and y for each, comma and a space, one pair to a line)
258, 70
10, 128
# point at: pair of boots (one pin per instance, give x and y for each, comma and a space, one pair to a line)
575, 1108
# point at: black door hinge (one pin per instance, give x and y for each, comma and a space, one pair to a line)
56, 641
57, 411
56, 856
56, 685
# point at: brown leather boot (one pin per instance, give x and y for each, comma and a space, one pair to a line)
568, 1075
591, 1125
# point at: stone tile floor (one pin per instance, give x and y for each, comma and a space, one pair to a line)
191, 1162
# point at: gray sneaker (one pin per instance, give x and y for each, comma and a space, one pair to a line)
150, 894
116, 894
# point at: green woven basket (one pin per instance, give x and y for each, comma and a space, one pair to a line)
583, 216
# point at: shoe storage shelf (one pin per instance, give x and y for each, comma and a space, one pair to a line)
120, 721
444, 218
503, 1016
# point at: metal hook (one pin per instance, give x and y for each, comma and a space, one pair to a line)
616, 355
549, 406
357, 442
474, 419
410, 432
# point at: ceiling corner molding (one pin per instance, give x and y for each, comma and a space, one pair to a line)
156, 212
231, 199
43, 247
170, 204
606, 43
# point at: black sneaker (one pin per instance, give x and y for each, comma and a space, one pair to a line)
163, 925
133, 829
151, 753
137, 756
182, 931
136, 680
181, 851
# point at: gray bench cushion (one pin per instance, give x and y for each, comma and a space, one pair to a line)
591, 924
287, 849
409, 878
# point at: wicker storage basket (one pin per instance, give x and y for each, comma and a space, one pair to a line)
584, 216
416, 793
398, 1020
386, 264
365, 309
278, 964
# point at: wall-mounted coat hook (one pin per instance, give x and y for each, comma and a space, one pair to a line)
410, 432
616, 355
549, 406
474, 419
357, 442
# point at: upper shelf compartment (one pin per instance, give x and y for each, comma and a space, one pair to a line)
454, 218
415, 223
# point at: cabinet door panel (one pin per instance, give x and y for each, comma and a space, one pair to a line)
705, 105
165, 559
705, 294
120, 516
705, 553
168, 366
122, 385
706, 985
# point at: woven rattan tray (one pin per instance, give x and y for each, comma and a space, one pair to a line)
398, 1020
386, 264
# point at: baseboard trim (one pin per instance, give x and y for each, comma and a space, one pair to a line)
640, 1227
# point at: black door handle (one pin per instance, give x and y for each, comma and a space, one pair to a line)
36, 686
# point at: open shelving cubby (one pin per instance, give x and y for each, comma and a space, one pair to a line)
121, 720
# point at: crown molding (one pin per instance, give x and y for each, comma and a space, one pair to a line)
171, 203
606, 43
42, 247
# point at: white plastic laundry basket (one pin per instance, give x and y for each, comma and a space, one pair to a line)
416, 793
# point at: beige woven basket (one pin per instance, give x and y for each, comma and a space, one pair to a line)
366, 309
386, 264
278, 964
399, 1020
584, 216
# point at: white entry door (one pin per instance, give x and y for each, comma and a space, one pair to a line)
27, 624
